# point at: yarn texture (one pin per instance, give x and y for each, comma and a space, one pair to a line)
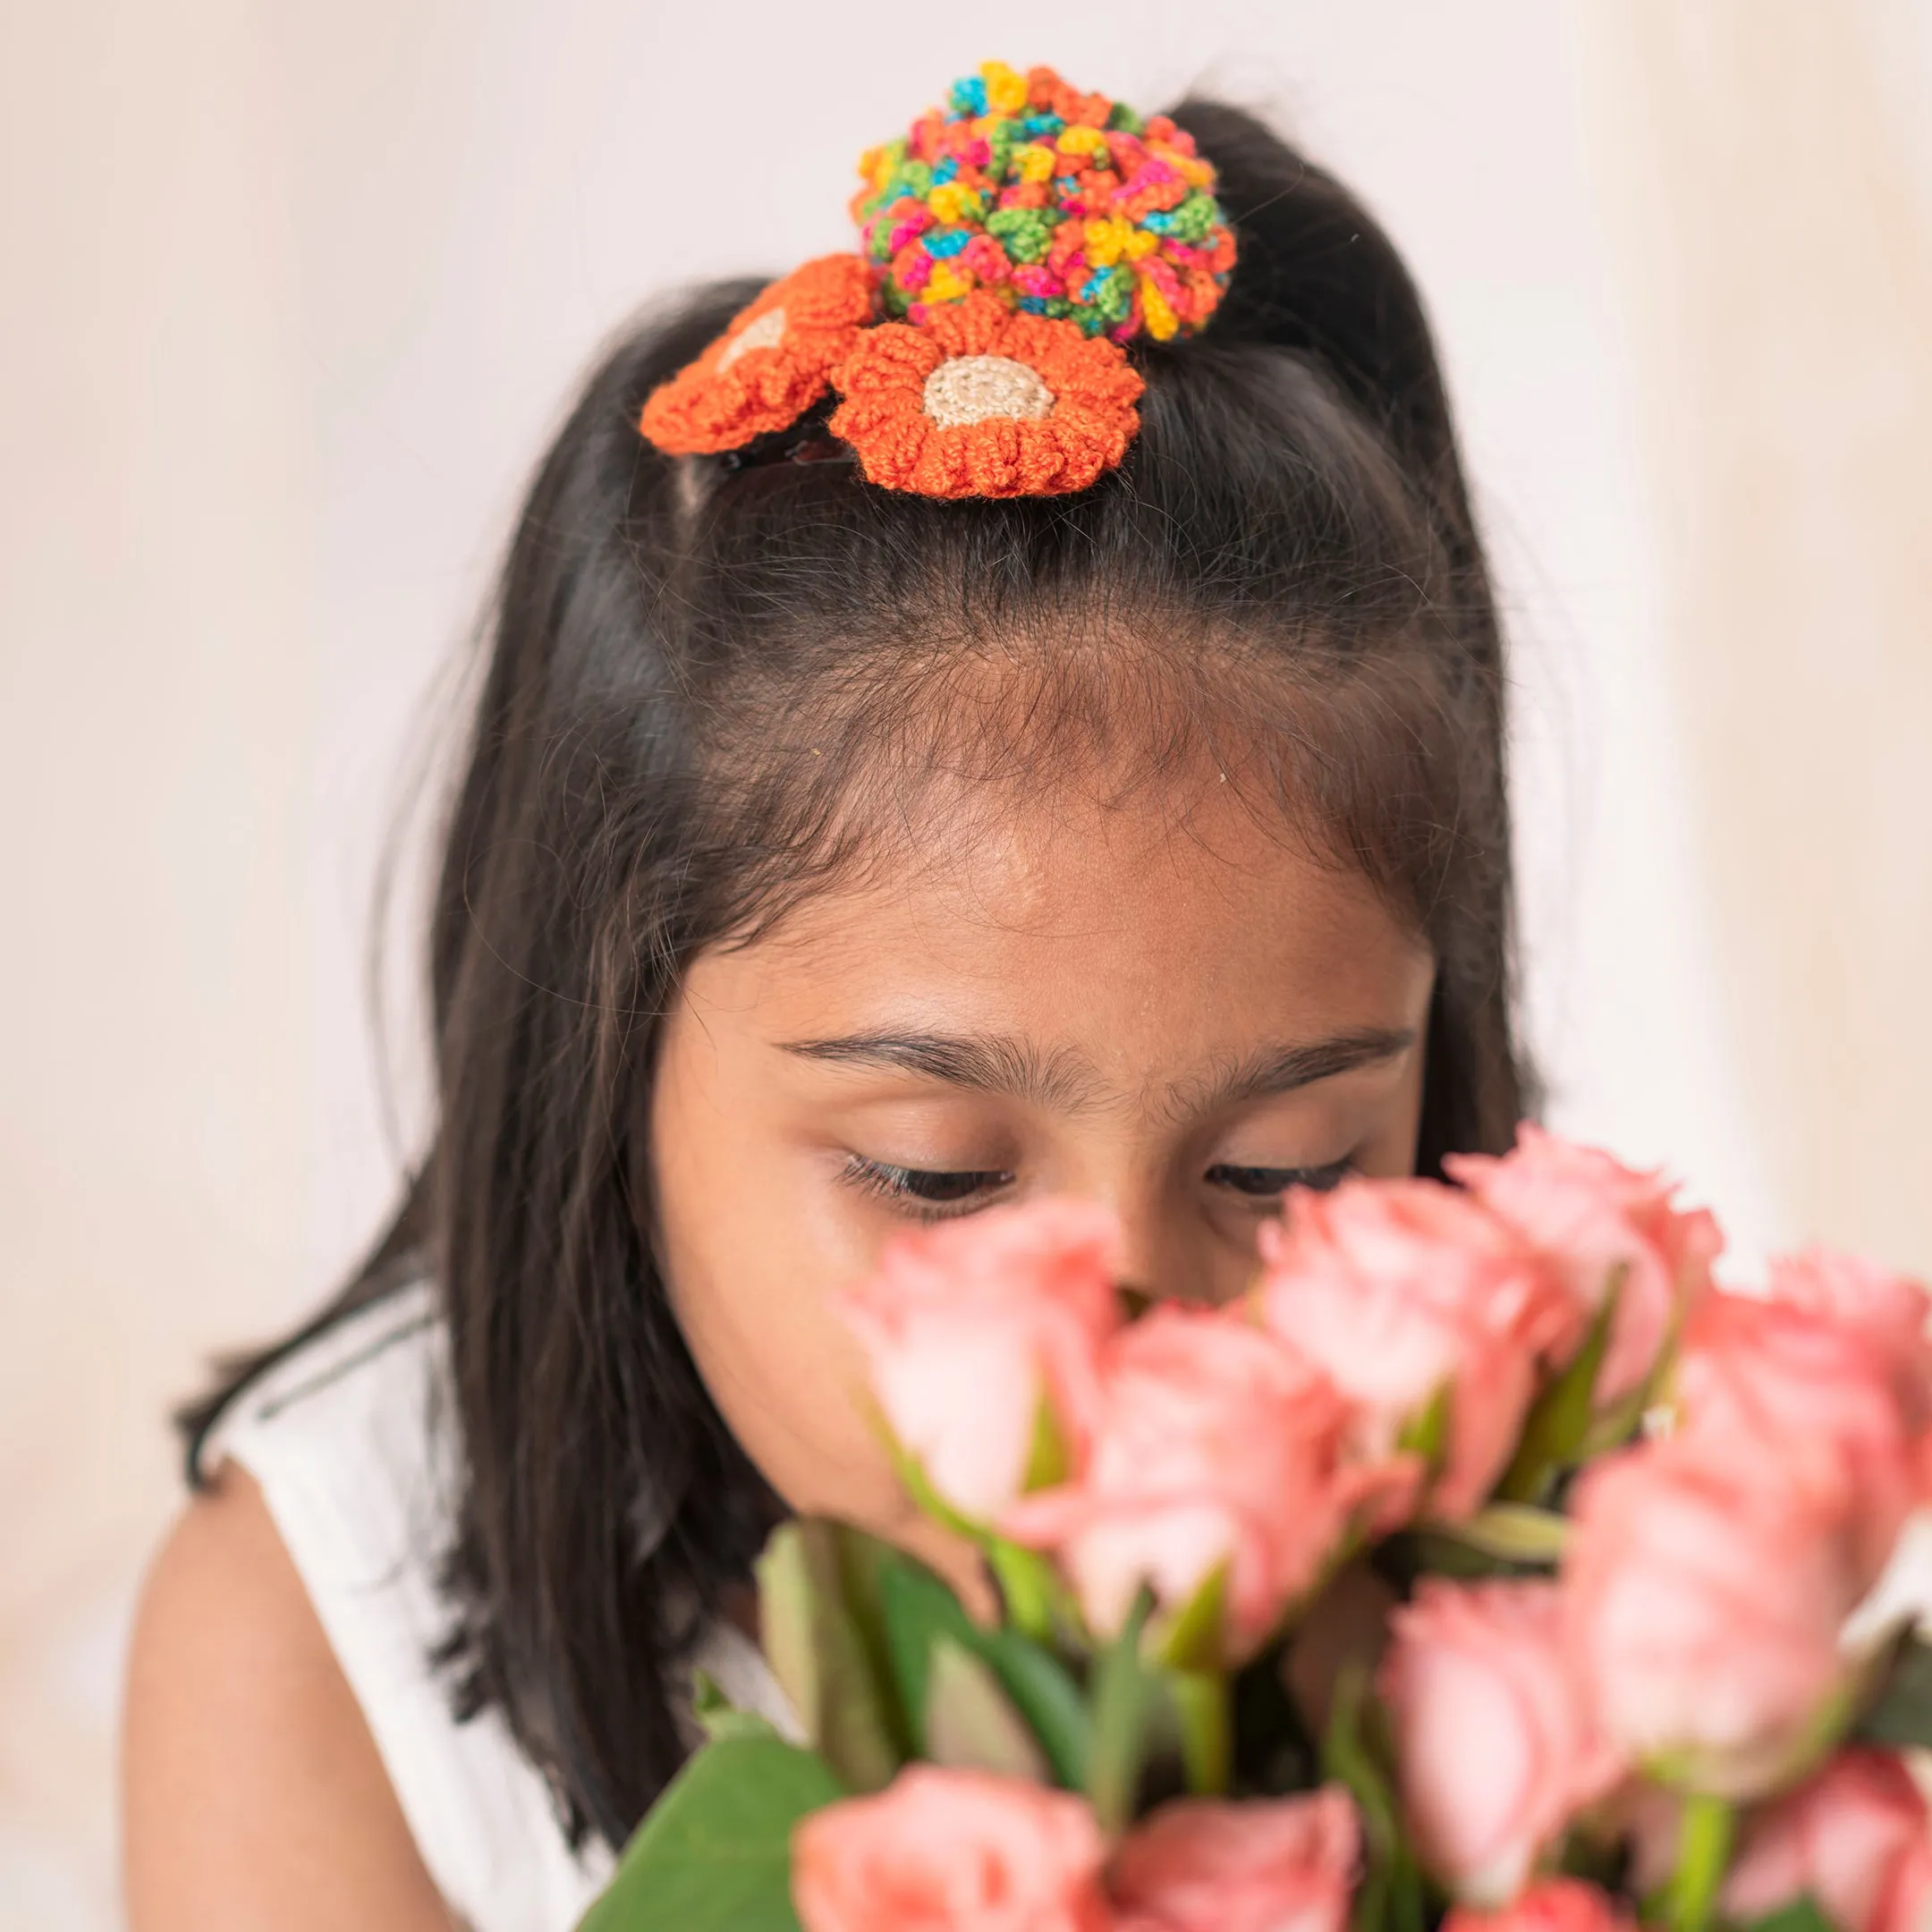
903, 445
773, 361
1011, 244
1061, 204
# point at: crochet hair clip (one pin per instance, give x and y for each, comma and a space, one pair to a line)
1011, 246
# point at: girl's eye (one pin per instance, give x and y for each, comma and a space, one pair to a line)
929, 1190
1264, 1183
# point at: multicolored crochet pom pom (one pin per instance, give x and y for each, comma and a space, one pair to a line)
1063, 204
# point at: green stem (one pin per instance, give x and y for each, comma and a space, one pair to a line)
1703, 1852
1201, 1701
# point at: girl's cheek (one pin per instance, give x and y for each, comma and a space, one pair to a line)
752, 1292
756, 1309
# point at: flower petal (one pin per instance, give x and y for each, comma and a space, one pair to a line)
753, 379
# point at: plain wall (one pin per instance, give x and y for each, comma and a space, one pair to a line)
293, 294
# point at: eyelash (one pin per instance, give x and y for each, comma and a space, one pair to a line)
932, 1194
1278, 1180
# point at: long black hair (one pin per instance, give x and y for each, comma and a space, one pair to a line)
698, 668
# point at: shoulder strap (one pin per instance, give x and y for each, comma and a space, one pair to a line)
344, 1439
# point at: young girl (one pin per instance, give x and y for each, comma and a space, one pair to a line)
1049, 744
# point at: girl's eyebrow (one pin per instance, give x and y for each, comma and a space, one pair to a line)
988, 1062
1279, 1070
994, 1063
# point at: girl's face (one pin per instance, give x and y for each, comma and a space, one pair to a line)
1161, 1004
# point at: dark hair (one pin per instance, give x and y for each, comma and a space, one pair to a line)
698, 666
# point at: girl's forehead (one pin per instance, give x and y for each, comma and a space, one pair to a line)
1053, 858
1155, 919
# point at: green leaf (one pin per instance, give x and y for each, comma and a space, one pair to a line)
1617, 1424
863, 1560
1030, 1588
1050, 1458
1428, 1550
1509, 1533
1123, 1694
917, 1609
1901, 1715
1426, 1433
1047, 1698
1559, 1421
1803, 1914
818, 1656
1390, 1894
718, 1718
971, 1722
787, 1618
714, 1855
1191, 1641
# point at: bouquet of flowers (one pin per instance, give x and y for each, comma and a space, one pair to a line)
1486, 1562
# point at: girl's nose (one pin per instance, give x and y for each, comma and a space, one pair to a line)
1171, 1255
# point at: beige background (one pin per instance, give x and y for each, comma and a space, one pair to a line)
292, 293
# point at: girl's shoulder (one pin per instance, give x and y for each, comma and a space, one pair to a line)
349, 1440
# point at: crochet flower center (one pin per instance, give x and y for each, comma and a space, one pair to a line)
971, 389
766, 332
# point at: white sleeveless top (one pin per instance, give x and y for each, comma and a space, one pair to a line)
340, 1438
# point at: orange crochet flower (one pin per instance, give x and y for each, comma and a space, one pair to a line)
978, 400
771, 364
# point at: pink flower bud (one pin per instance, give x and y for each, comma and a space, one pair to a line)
971, 1326
1771, 1386
951, 1851
1494, 1738
1555, 1905
1215, 1445
1704, 1593
1401, 1290
1856, 1838
1889, 1312
1594, 1219
1280, 1865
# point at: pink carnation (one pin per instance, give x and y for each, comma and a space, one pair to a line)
1856, 1838
1705, 1598
1215, 1445
1494, 1738
1281, 1865
1590, 1216
951, 1851
1401, 1290
969, 1328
